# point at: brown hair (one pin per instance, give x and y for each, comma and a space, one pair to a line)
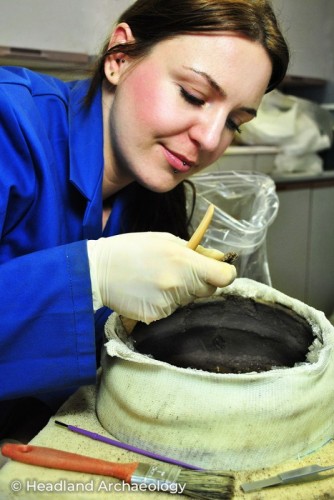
152, 21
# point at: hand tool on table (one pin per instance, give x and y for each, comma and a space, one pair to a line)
290, 477
125, 446
207, 485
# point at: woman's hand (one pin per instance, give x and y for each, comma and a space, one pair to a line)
146, 276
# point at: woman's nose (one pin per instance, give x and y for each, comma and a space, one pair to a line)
208, 132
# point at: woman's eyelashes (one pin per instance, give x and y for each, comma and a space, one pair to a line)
190, 98
231, 125
196, 101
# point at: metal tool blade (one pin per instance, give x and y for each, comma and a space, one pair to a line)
262, 483
288, 477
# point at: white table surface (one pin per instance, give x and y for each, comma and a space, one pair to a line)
79, 410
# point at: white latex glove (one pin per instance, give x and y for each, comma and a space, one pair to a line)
146, 276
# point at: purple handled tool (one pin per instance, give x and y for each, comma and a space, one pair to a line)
128, 447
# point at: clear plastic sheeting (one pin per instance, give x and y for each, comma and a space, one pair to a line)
245, 206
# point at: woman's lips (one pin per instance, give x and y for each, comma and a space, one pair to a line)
179, 163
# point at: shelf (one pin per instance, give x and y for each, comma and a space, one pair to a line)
64, 65
302, 81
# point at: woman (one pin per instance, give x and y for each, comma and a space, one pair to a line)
92, 205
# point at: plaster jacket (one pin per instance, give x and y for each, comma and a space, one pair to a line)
51, 167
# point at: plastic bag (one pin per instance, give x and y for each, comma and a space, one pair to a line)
300, 128
245, 206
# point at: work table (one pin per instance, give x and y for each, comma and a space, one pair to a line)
301, 180
79, 411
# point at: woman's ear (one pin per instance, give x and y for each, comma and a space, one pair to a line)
115, 63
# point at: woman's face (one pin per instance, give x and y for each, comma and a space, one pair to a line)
175, 111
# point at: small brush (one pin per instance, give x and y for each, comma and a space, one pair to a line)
125, 446
208, 485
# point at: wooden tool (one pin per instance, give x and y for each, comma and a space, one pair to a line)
193, 243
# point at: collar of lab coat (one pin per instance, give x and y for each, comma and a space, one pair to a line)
87, 163
86, 153
86, 140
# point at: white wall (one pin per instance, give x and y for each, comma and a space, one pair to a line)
82, 26
62, 25
309, 28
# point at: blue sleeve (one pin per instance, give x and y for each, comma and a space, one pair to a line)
47, 340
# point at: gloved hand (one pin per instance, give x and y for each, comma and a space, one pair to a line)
146, 276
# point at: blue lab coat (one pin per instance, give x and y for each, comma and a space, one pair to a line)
51, 168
